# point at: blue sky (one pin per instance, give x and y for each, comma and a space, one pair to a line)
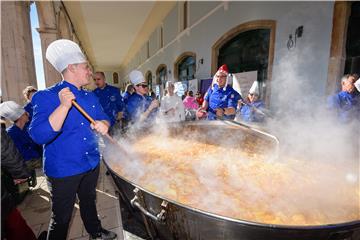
37, 48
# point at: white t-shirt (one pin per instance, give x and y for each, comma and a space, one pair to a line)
169, 102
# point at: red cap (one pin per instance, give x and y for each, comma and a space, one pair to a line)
224, 69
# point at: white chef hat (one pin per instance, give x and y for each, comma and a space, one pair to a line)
63, 52
357, 84
11, 110
255, 88
136, 77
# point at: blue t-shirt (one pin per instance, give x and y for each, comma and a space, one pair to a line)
221, 98
346, 106
248, 114
26, 146
137, 105
111, 101
74, 148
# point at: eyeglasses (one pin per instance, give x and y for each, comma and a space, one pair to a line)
142, 85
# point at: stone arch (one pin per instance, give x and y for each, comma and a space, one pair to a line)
159, 68
179, 60
148, 78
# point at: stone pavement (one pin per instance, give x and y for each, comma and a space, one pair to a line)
36, 209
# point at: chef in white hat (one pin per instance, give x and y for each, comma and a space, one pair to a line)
71, 151
11, 110
140, 108
18, 131
251, 108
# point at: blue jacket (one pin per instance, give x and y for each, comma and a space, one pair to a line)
26, 146
74, 148
28, 108
220, 98
126, 96
248, 114
137, 105
346, 106
111, 101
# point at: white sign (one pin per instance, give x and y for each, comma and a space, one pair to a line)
180, 88
193, 85
242, 82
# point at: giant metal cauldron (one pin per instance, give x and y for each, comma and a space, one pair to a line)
167, 219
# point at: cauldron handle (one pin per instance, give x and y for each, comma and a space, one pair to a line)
160, 217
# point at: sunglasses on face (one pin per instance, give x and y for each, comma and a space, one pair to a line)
142, 85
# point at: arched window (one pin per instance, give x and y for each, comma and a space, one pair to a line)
185, 66
148, 77
248, 47
116, 78
161, 75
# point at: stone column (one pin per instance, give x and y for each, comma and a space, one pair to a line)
48, 33
17, 57
338, 44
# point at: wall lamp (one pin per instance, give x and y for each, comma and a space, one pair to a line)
298, 34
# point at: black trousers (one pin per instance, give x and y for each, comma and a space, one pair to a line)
63, 193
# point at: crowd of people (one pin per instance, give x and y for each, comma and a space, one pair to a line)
48, 132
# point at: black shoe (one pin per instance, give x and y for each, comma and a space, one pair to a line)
103, 234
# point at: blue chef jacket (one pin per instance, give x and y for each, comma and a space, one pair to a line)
28, 109
111, 101
220, 98
346, 105
138, 104
249, 115
74, 148
26, 146
126, 96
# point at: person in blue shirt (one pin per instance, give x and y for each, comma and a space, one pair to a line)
70, 142
28, 92
345, 104
109, 97
221, 99
251, 110
30, 151
129, 90
141, 108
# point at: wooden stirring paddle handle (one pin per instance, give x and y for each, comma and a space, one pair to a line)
88, 117
83, 112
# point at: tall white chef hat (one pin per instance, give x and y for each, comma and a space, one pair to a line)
63, 52
136, 77
255, 88
11, 110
